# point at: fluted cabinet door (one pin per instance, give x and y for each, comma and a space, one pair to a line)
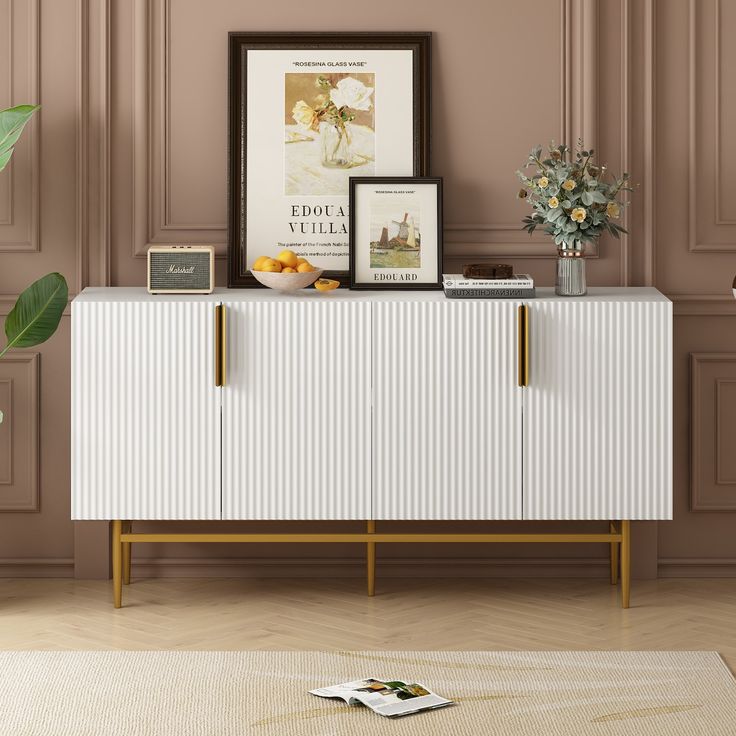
296, 410
598, 410
145, 411
446, 410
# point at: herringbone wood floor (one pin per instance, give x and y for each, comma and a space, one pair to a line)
419, 614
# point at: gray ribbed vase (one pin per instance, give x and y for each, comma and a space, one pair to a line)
571, 272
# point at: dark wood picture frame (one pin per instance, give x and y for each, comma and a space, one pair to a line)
355, 182
239, 43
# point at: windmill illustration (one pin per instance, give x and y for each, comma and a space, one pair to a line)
403, 233
408, 236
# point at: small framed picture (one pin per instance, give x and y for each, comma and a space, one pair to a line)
395, 232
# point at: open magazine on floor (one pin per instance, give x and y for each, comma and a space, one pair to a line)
390, 698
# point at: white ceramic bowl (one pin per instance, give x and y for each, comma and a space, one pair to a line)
287, 281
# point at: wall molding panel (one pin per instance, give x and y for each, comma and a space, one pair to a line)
718, 99
152, 220
19, 230
702, 305
578, 69
19, 432
704, 142
710, 373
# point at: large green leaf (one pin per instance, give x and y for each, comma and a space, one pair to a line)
36, 314
12, 122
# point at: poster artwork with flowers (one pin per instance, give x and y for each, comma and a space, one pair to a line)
307, 113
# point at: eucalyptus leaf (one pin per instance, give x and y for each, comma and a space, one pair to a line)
36, 313
587, 198
12, 122
598, 197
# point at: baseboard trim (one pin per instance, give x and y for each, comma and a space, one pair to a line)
697, 567
37, 567
441, 567
320, 567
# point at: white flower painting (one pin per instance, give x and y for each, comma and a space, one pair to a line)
329, 131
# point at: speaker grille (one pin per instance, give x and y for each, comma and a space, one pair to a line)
175, 271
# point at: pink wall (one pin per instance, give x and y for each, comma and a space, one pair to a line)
130, 150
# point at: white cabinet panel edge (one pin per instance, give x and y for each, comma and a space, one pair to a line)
446, 411
296, 411
598, 411
145, 411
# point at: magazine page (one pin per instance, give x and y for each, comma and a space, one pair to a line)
389, 698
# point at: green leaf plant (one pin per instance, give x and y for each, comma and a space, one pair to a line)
571, 198
12, 122
37, 312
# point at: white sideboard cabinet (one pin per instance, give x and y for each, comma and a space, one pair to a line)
371, 407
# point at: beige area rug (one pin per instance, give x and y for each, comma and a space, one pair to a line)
265, 693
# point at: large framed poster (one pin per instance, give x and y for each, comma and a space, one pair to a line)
307, 112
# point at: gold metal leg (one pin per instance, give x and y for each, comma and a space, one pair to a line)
371, 559
625, 563
117, 564
614, 554
127, 547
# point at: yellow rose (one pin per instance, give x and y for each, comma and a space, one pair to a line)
612, 209
304, 115
543, 182
553, 203
578, 214
568, 185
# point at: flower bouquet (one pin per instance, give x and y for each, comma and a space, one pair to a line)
331, 114
576, 202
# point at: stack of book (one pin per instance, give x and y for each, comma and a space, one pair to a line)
456, 286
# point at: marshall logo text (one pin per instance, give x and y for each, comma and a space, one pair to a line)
180, 269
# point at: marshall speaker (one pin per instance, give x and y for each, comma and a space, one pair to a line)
181, 269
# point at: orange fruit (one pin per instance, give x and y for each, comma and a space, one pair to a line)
259, 262
305, 267
301, 260
326, 284
288, 269
287, 258
271, 265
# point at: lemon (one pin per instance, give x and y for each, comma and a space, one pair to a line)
326, 284
259, 262
305, 267
287, 258
271, 265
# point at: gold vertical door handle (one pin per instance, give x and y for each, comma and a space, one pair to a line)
523, 345
220, 345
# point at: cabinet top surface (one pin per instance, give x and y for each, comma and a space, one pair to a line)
544, 293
